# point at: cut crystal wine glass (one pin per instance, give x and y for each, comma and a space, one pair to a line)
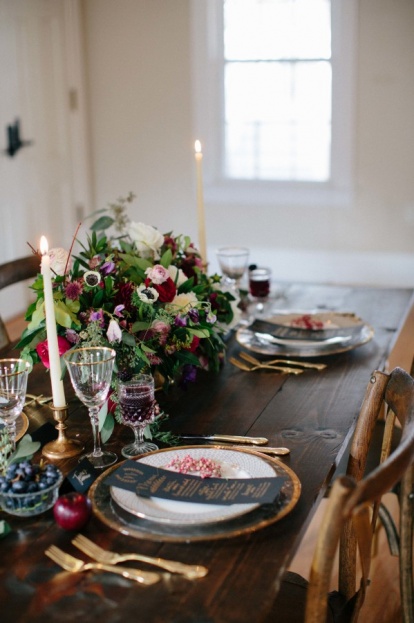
233, 263
13, 386
137, 406
90, 371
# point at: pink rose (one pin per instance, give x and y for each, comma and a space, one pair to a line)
60, 262
42, 350
157, 274
161, 329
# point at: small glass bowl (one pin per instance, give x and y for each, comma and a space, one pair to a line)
29, 504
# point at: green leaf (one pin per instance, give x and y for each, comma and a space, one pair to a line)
63, 316
137, 262
38, 317
4, 528
187, 286
98, 298
199, 332
185, 356
104, 222
140, 326
26, 448
147, 349
106, 423
27, 336
128, 339
166, 258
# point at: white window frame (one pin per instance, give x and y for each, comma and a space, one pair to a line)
208, 116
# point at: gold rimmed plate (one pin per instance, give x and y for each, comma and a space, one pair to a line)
22, 424
258, 342
112, 514
232, 465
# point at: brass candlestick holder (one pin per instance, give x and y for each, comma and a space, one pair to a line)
62, 447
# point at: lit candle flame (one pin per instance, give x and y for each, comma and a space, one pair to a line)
44, 247
197, 146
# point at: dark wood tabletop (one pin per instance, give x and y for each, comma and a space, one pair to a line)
313, 414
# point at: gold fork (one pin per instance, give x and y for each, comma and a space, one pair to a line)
93, 550
74, 565
246, 368
302, 364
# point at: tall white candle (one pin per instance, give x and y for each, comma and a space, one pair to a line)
200, 202
58, 393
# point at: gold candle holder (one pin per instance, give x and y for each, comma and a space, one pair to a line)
62, 447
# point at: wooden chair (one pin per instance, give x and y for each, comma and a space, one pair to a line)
11, 273
406, 545
352, 511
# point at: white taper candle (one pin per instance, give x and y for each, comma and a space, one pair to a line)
58, 393
200, 202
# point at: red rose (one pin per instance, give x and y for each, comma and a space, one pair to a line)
194, 344
166, 290
42, 350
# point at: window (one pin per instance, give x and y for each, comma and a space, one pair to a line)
273, 98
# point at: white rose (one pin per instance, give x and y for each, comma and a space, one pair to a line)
59, 261
148, 240
177, 275
184, 302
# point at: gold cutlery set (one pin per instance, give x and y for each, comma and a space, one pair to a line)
104, 560
284, 366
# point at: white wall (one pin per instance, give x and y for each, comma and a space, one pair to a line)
139, 69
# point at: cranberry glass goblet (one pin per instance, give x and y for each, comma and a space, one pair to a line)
137, 406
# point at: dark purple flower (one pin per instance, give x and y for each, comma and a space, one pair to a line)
97, 316
180, 321
189, 375
193, 314
107, 268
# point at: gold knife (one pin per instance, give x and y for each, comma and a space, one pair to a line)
264, 449
255, 441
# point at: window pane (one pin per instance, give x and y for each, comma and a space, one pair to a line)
278, 120
276, 29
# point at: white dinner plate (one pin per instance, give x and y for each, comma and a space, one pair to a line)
256, 342
233, 465
310, 326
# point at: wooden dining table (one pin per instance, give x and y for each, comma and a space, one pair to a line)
312, 414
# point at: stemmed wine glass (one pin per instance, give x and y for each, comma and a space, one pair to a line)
259, 287
90, 371
137, 405
13, 385
233, 263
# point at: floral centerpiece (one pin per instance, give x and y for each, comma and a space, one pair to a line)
141, 292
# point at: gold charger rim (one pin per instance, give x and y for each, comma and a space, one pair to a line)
22, 428
105, 512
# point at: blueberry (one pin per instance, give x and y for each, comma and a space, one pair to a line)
11, 470
4, 487
19, 486
32, 487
